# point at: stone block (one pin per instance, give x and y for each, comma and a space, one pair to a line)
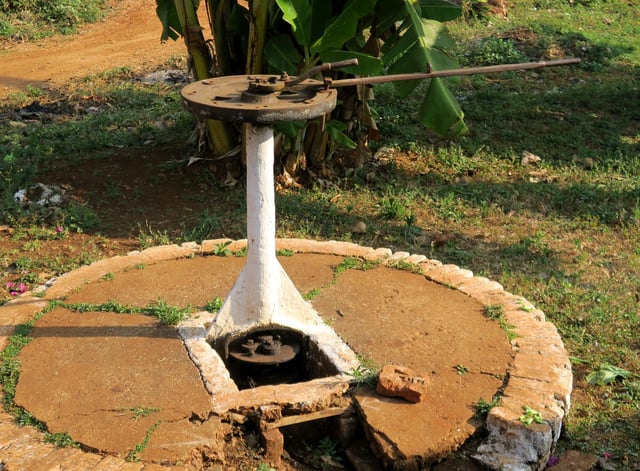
443, 273
429, 265
273, 443
416, 259
399, 381
513, 445
304, 397
21, 451
397, 257
65, 458
487, 297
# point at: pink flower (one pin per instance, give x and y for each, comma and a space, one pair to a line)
16, 289
608, 456
59, 229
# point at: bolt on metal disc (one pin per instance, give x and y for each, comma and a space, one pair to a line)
261, 99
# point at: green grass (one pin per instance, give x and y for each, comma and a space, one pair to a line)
564, 233
140, 411
93, 118
35, 19
134, 455
166, 314
496, 313
483, 407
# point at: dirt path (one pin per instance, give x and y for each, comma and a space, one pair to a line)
130, 36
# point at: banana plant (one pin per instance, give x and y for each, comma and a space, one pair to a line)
272, 36
180, 18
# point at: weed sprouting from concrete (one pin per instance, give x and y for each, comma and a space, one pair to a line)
140, 411
496, 313
366, 373
134, 455
166, 314
483, 407
214, 305
530, 416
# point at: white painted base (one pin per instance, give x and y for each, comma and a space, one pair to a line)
264, 295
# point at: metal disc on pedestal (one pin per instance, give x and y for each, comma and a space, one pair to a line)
259, 99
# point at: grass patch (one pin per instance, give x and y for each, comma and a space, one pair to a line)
165, 313
214, 305
140, 411
483, 407
36, 19
496, 313
366, 373
93, 117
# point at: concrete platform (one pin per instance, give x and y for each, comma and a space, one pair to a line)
114, 381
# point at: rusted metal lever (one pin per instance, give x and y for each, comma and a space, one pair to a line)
328, 83
321, 68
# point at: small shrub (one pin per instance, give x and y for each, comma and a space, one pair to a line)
80, 218
494, 51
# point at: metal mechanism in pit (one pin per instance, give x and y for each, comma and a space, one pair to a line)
265, 350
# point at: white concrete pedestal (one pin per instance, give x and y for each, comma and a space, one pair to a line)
263, 295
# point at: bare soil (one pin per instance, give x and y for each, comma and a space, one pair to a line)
129, 37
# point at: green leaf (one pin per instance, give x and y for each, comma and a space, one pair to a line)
388, 13
607, 374
291, 129
343, 27
367, 64
440, 110
298, 14
418, 43
281, 54
171, 27
440, 10
336, 130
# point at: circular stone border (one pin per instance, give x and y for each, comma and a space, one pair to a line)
540, 377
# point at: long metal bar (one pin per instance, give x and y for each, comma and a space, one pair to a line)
327, 66
449, 73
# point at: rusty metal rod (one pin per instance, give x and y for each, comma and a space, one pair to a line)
322, 68
449, 73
